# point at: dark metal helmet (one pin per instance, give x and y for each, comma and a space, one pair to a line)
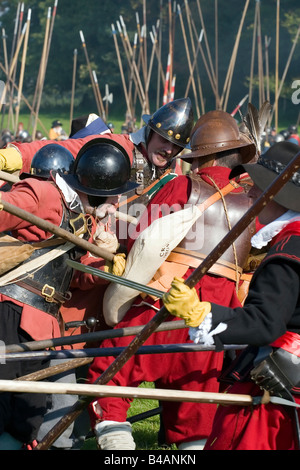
56, 123
102, 168
173, 121
217, 131
23, 136
50, 157
293, 129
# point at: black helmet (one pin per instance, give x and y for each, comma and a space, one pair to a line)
285, 133
173, 121
24, 136
102, 168
50, 157
293, 129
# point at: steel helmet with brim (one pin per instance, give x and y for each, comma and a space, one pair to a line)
173, 121
217, 131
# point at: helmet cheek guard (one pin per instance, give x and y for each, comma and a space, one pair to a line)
102, 168
51, 157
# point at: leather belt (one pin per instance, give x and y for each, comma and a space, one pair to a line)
46, 291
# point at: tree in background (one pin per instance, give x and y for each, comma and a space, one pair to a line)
94, 18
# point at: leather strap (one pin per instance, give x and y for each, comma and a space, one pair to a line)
146, 190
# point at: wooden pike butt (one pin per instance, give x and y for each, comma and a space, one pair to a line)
161, 315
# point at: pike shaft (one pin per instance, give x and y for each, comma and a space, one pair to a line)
215, 254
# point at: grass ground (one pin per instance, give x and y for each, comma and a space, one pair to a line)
46, 119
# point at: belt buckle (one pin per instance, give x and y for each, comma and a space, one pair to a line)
48, 292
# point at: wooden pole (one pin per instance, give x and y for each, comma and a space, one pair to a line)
145, 56
90, 71
52, 228
210, 77
89, 337
6, 70
260, 60
150, 64
267, 43
11, 98
130, 52
114, 33
43, 72
166, 88
99, 95
51, 31
15, 33
158, 56
286, 67
234, 55
10, 178
24, 99
107, 352
11, 57
189, 62
130, 59
12, 66
277, 64
206, 42
171, 49
132, 78
194, 66
217, 55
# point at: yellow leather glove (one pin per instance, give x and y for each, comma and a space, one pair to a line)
10, 160
117, 266
183, 302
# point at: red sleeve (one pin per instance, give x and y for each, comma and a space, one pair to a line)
86, 281
172, 197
